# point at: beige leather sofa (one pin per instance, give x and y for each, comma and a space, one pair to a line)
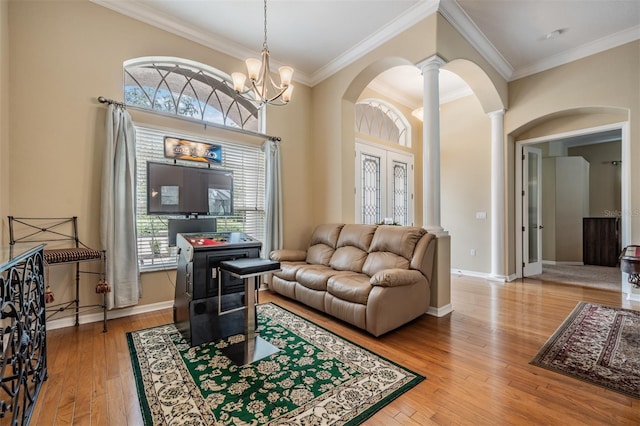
375, 277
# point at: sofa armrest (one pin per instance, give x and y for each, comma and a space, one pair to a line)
396, 277
288, 255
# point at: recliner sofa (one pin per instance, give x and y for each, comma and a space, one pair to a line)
376, 277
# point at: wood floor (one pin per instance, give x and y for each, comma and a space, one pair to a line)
475, 360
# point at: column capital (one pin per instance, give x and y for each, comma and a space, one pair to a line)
496, 113
434, 62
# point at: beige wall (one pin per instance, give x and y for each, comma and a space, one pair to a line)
4, 119
465, 141
603, 83
66, 54
488, 86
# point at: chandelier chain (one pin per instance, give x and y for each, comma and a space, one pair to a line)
264, 45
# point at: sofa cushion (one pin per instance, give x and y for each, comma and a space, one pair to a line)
323, 244
351, 287
288, 270
348, 258
382, 260
400, 240
359, 236
315, 276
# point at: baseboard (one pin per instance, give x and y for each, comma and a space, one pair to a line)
112, 314
483, 275
512, 277
440, 312
633, 296
553, 262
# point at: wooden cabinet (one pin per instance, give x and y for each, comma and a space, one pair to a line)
600, 240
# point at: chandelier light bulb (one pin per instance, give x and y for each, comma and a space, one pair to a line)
238, 81
286, 95
253, 68
286, 75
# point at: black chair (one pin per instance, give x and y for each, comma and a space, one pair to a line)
62, 235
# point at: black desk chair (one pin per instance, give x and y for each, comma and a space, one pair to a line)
56, 232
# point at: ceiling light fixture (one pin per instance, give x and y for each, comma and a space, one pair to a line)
555, 34
264, 89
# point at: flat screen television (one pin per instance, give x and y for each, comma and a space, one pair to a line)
190, 191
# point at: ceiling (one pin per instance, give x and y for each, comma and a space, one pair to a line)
320, 37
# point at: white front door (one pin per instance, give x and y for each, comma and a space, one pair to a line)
531, 211
384, 185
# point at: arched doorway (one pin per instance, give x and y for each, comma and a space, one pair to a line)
571, 127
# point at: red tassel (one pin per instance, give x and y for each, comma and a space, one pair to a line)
48, 295
103, 287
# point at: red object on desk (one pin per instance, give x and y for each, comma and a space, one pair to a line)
205, 242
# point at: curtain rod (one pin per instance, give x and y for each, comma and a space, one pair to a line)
104, 100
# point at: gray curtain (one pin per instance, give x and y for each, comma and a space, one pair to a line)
273, 203
118, 219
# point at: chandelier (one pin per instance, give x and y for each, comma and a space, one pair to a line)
264, 89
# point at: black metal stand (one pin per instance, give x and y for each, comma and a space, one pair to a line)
23, 351
253, 348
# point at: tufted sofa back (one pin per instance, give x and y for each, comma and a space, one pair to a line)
371, 248
323, 244
352, 248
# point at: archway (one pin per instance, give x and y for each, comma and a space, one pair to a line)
493, 105
579, 124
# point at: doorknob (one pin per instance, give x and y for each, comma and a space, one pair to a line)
540, 227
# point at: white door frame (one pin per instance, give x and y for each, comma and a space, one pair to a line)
625, 198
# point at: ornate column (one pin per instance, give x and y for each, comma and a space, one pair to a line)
497, 194
431, 144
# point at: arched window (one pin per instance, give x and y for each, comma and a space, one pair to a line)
381, 120
178, 87
188, 89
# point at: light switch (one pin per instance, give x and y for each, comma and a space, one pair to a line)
481, 215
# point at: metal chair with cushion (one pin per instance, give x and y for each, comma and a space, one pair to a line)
66, 248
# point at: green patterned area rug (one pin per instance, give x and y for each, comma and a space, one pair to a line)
315, 378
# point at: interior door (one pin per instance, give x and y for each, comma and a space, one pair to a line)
531, 211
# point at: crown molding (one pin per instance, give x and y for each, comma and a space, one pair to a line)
597, 46
410, 17
452, 12
141, 12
